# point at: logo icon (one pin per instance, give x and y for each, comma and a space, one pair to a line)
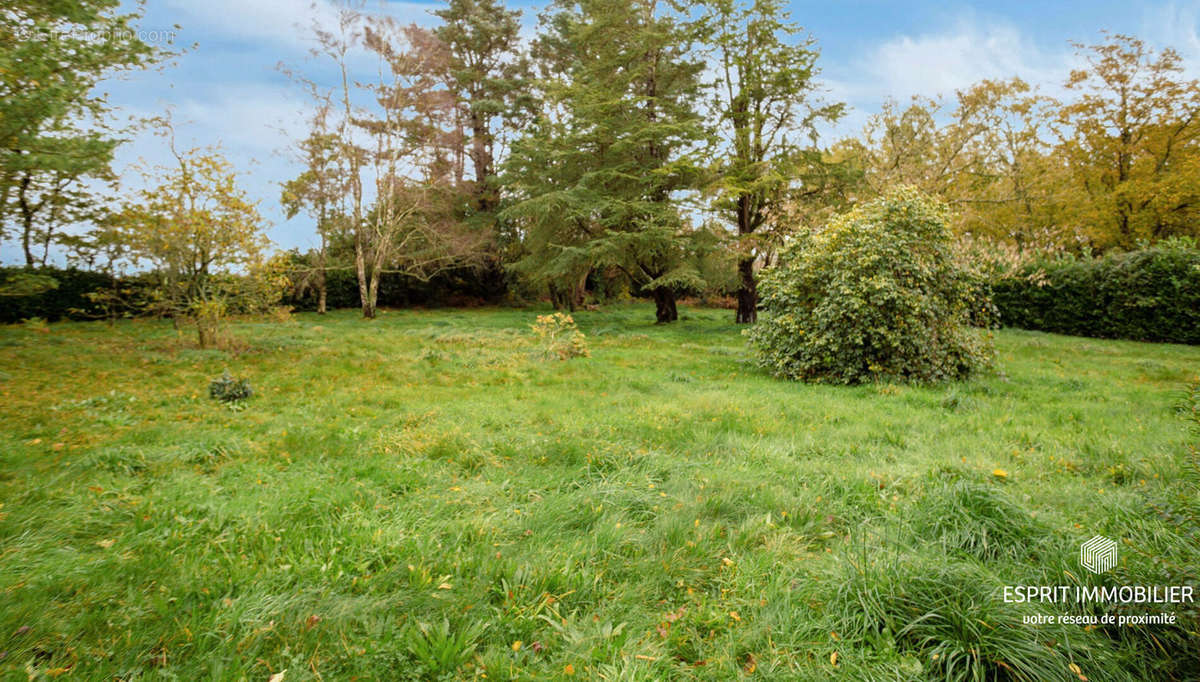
1098, 554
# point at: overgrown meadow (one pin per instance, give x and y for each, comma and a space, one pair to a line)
427, 496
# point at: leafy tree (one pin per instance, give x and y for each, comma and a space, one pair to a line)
399, 158
1014, 193
53, 121
598, 177
488, 75
990, 158
909, 147
198, 231
765, 98
1116, 165
318, 191
1131, 141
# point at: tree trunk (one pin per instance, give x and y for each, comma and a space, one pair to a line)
561, 297
664, 306
322, 287
579, 292
481, 158
364, 292
747, 310
373, 294
26, 220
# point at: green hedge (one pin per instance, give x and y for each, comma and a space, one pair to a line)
1152, 294
67, 300
454, 288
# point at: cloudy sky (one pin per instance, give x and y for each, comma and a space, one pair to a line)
227, 88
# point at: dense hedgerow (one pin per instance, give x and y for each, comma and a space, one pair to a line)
66, 297
86, 295
1152, 294
455, 287
873, 296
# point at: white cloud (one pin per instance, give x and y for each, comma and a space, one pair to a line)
1174, 25
965, 54
279, 23
971, 49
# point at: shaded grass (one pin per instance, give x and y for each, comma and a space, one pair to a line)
424, 496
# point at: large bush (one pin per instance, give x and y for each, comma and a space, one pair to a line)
1152, 294
873, 296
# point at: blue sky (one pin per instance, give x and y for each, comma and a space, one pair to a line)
227, 90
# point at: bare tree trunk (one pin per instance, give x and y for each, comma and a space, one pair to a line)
560, 297
364, 288
481, 159
322, 287
747, 311
26, 220
664, 306
373, 292
579, 291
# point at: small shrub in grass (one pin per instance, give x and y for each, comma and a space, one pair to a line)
875, 296
559, 337
36, 324
227, 389
280, 314
441, 649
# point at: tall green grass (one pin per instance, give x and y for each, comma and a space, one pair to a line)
424, 496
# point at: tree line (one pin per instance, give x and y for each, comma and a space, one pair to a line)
663, 147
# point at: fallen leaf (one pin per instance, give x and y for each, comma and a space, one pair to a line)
277, 677
517, 645
311, 621
833, 659
1000, 473
105, 543
727, 561
734, 615
444, 586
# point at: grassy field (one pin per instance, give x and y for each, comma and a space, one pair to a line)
423, 496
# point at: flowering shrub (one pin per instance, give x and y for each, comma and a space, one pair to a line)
874, 296
558, 337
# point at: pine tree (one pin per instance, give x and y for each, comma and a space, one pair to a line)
600, 177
